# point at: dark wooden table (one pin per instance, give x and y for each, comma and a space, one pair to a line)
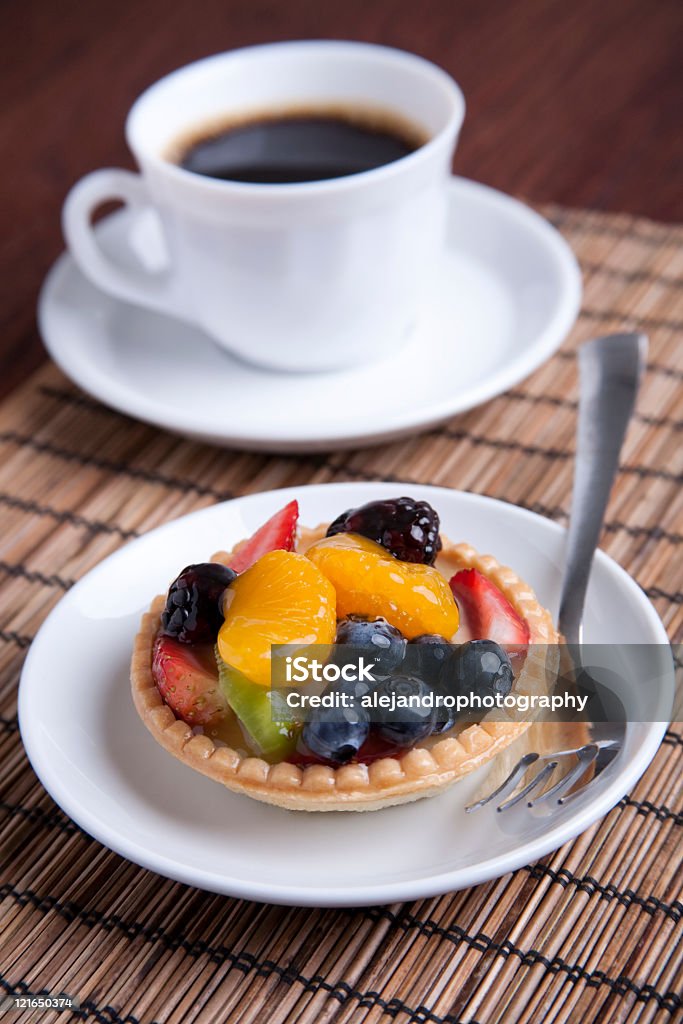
577, 102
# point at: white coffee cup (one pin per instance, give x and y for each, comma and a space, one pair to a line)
309, 276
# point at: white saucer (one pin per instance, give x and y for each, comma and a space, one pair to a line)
506, 295
92, 753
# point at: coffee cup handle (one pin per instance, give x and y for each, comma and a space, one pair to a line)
158, 291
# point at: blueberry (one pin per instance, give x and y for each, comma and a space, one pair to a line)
446, 718
431, 657
407, 528
193, 612
405, 726
379, 641
336, 734
356, 688
482, 667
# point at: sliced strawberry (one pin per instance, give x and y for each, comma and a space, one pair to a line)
187, 678
277, 534
487, 612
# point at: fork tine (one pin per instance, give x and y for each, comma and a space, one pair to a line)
608, 753
508, 785
586, 755
540, 777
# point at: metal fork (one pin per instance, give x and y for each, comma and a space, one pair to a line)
609, 374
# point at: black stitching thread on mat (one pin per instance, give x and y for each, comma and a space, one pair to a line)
551, 512
187, 486
627, 898
11, 724
645, 807
421, 1014
571, 403
648, 532
664, 370
72, 518
652, 367
96, 526
33, 576
610, 525
549, 453
80, 401
55, 820
113, 466
594, 979
527, 449
672, 738
92, 405
500, 444
610, 230
243, 961
52, 820
653, 592
9, 636
674, 597
341, 991
632, 276
47, 819
649, 322
106, 1014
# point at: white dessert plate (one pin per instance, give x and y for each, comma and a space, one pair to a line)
97, 760
504, 297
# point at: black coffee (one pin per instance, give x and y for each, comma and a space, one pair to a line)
296, 147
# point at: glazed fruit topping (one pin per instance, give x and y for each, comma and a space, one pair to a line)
187, 679
193, 613
433, 653
278, 534
407, 726
486, 611
379, 638
282, 599
445, 719
369, 586
336, 735
271, 738
407, 528
482, 667
370, 582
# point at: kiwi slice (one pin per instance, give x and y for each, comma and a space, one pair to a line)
274, 740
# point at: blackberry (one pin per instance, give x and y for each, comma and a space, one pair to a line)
193, 612
407, 528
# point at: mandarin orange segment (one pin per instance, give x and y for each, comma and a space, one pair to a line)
282, 599
369, 581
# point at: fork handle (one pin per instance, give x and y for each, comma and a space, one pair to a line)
609, 374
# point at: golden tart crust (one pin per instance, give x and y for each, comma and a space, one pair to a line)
423, 771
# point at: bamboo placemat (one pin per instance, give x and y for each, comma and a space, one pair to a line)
590, 933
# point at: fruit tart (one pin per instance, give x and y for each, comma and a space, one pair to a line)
381, 578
